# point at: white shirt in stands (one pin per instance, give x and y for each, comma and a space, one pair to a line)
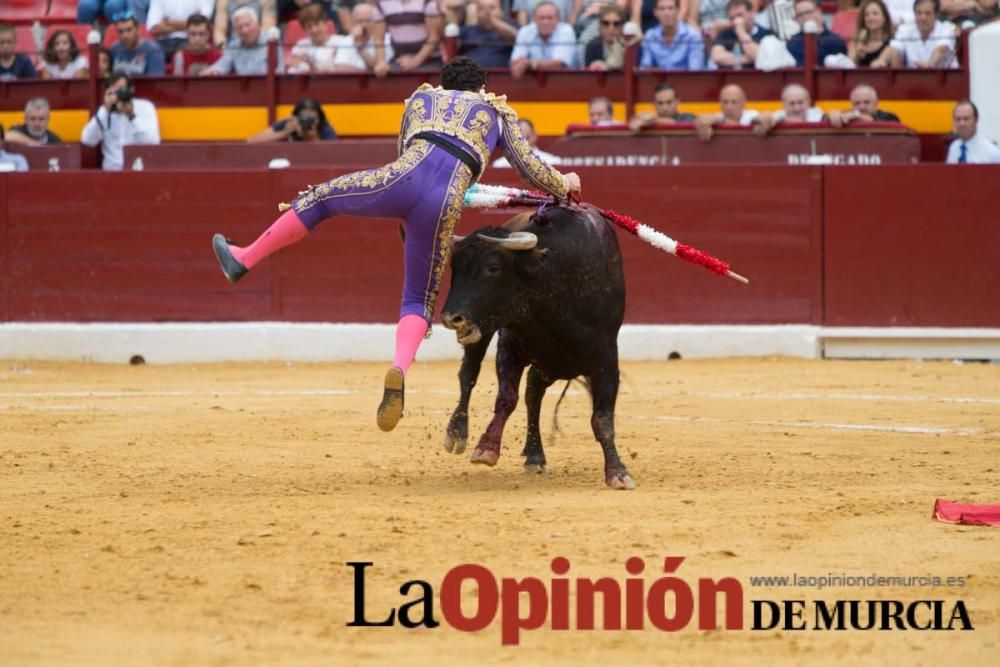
900, 11
978, 150
813, 115
347, 52
315, 58
916, 49
177, 10
547, 158
115, 131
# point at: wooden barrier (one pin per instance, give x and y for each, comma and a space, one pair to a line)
802, 143
54, 157
845, 246
355, 153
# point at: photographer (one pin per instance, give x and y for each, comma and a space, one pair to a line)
307, 123
122, 120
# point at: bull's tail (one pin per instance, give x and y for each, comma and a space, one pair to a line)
555, 414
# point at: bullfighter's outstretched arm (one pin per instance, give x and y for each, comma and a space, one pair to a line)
540, 175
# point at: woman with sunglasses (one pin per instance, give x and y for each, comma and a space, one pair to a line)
606, 51
446, 137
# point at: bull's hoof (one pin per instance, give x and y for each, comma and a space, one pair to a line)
619, 480
537, 468
485, 456
455, 444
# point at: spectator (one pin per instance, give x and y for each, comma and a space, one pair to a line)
977, 11
970, 147
88, 11
864, 101
566, 8
287, 9
264, 11
13, 65
168, 21
122, 120
34, 131
828, 43
103, 63
63, 59
199, 53
927, 42
901, 11
11, 161
247, 52
415, 33
545, 44
307, 123
601, 111
737, 46
345, 12
607, 50
732, 101
356, 52
132, 54
796, 107
665, 102
530, 136
316, 51
489, 40
140, 8
873, 32
674, 44
710, 16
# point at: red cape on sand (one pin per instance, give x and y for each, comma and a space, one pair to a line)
972, 515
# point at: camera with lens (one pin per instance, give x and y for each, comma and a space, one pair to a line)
307, 123
125, 94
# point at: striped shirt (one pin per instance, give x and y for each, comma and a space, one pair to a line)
405, 22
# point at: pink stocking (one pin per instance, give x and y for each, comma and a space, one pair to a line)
409, 334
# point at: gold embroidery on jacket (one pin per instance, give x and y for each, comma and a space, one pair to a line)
363, 182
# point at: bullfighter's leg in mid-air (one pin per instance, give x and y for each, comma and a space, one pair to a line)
604, 389
534, 460
510, 367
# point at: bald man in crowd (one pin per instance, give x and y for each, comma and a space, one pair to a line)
733, 111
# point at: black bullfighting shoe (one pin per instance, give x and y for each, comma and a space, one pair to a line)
231, 267
391, 408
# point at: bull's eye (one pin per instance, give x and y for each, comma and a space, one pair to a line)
492, 270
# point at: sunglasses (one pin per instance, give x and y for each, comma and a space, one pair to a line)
611, 24
122, 16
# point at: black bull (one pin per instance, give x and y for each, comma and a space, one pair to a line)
554, 289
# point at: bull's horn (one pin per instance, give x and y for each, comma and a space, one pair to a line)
516, 241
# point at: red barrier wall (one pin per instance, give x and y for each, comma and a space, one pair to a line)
912, 246
844, 246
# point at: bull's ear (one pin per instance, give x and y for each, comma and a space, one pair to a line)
537, 260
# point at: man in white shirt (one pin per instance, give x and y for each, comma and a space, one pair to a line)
14, 161
167, 21
970, 147
528, 130
356, 52
926, 42
123, 120
796, 107
545, 44
732, 101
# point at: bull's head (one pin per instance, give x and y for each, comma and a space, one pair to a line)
488, 272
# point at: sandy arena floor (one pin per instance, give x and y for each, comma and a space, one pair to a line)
202, 515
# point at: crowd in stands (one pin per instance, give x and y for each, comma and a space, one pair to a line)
223, 37
164, 37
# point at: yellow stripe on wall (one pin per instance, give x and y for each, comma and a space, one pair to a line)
550, 118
